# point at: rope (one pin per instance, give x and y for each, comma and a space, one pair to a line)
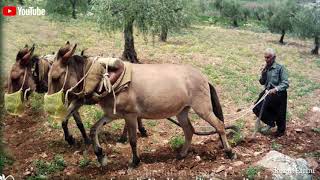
76, 85
231, 126
250, 108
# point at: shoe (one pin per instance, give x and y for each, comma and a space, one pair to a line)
279, 134
265, 130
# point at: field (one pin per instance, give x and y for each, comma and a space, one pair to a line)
231, 58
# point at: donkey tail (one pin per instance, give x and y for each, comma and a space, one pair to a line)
216, 107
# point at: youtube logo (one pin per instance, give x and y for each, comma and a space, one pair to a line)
9, 11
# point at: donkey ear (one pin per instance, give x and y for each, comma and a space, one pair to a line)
68, 54
26, 46
31, 50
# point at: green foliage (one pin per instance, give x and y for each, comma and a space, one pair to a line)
310, 18
64, 7
4, 160
237, 136
152, 123
252, 172
276, 146
176, 142
149, 16
283, 12
44, 168
36, 102
85, 161
317, 130
232, 10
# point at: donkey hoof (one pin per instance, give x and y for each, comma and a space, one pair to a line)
87, 141
231, 155
103, 161
143, 132
135, 162
122, 139
70, 140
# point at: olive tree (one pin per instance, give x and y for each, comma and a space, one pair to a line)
232, 10
66, 7
149, 17
281, 20
307, 25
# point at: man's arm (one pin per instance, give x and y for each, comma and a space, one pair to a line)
263, 77
284, 82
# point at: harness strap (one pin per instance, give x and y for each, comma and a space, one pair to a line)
76, 85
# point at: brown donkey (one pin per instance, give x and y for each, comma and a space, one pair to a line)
156, 91
75, 74
36, 70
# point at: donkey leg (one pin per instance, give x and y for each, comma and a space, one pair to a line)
141, 128
74, 106
95, 140
123, 138
132, 129
77, 118
187, 130
67, 136
219, 126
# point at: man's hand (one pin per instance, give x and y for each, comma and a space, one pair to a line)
273, 91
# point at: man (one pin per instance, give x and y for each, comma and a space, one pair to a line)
273, 109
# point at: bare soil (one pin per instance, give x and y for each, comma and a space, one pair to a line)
29, 138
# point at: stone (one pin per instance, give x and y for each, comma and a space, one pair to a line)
220, 168
238, 163
198, 158
312, 162
257, 153
315, 109
285, 167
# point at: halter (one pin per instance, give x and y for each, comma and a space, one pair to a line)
23, 82
106, 83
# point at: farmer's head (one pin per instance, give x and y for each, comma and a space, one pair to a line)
269, 55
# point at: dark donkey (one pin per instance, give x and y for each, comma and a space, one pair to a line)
63, 55
156, 91
35, 70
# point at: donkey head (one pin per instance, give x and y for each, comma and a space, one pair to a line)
63, 70
20, 75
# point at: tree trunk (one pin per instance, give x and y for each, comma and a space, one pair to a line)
258, 17
73, 4
283, 32
316, 43
235, 23
129, 52
164, 33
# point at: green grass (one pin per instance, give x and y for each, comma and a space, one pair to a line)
231, 58
252, 172
43, 168
4, 160
152, 123
176, 142
317, 130
237, 136
85, 161
276, 146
